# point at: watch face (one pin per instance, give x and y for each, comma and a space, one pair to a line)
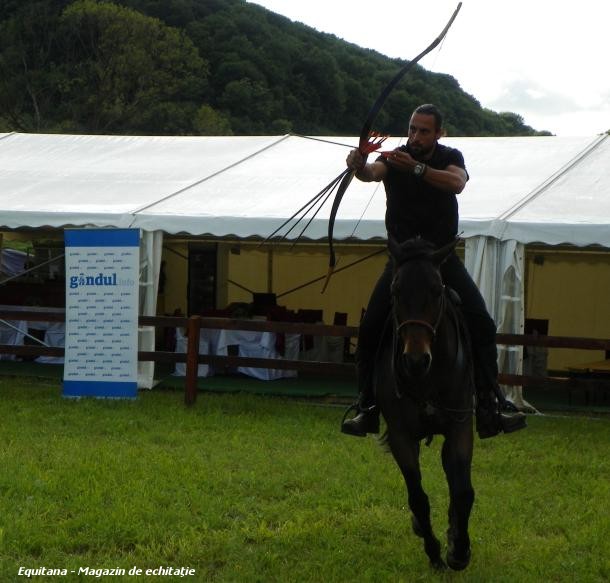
418, 170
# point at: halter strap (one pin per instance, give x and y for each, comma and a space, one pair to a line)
423, 323
431, 328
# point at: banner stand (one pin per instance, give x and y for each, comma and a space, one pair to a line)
102, 290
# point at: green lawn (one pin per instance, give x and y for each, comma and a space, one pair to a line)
244, 488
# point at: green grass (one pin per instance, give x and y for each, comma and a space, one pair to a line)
245, 488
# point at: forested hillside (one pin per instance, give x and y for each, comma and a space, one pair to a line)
205, 67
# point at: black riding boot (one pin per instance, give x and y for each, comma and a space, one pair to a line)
494, 414
366, 420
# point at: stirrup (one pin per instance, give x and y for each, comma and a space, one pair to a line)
356, 406
508, 406
353, 407
366, 421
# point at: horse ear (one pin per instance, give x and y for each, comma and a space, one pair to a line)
442, 254
394, 248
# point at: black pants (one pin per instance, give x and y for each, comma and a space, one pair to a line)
480, 325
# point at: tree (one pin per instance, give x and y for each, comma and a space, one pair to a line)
209, 122
28, 70
96, 66
126, 72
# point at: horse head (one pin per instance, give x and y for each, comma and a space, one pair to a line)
418, 299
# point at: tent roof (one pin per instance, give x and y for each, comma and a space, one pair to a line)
545, 189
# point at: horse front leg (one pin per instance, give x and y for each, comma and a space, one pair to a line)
457, 462
406, 454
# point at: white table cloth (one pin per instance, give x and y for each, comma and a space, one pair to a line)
250, 344
13, 336
208, 341
54, 332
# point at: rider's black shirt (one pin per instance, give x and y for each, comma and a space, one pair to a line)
414, 208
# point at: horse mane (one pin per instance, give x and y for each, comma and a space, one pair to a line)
415, 248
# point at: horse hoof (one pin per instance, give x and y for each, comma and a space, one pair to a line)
458, 564
432, 547
438, 564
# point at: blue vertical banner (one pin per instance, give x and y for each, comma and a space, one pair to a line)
102, 290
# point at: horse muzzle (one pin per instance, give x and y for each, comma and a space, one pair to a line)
417, 364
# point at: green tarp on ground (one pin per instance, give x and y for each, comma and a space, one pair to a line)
339, 390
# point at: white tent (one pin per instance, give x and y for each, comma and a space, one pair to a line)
533, 189
545, 189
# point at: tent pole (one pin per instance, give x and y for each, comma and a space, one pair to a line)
270, 271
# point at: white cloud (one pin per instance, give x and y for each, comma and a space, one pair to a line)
528, 95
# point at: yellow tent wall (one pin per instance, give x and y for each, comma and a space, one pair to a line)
570, 289
244, 266
281, 270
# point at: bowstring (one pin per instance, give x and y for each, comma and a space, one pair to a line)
438, 51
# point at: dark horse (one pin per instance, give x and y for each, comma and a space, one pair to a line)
424, 387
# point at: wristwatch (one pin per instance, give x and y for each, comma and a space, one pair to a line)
419, 169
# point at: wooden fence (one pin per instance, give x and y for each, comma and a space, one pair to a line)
194, 324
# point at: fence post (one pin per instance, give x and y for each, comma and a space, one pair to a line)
192, 359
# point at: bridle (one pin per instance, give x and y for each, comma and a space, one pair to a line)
432, 328
461, 414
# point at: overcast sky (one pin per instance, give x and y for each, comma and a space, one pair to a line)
546, 60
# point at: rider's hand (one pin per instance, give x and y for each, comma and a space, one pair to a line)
402, 161
355, 160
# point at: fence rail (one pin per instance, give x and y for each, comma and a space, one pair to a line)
194, 324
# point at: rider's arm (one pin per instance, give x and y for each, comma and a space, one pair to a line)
452, 179
372, 172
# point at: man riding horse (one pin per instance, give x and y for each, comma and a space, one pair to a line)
421, 181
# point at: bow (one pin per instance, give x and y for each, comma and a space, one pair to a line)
368, 142
367, 147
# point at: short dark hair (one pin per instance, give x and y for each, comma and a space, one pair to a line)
429, 109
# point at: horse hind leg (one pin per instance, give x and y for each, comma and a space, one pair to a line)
406, 454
